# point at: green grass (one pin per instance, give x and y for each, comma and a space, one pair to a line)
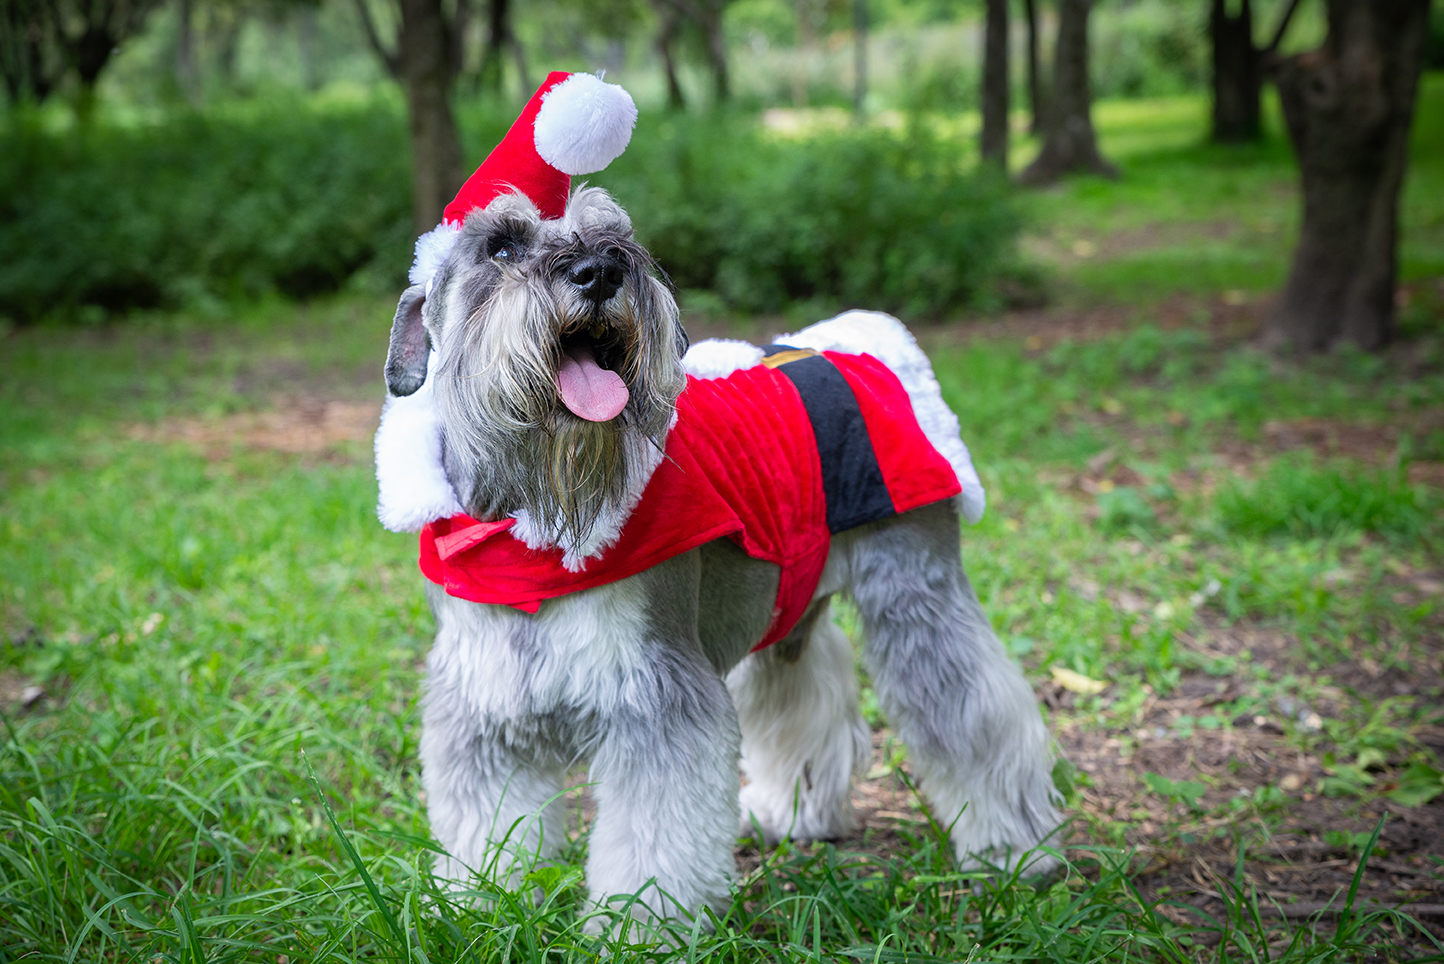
212, 630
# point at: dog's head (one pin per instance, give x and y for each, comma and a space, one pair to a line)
557, 359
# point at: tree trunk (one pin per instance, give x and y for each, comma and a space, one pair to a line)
1035, 103
995, 84
859, 58
185, 58
707, 15
1348, 106
1237, 74
666, 37
228, 35
1069, 143
427, 70
711, 23
28, 57
498, 38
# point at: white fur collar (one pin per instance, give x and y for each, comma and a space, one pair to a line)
720, 357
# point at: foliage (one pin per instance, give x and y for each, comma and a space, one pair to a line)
847, 217
236, 202
298, 196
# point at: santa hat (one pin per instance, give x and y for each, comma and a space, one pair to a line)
573, 124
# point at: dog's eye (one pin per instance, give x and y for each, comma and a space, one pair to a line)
504, 247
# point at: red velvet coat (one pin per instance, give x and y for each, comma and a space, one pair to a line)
776, 457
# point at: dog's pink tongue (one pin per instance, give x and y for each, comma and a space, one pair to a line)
589, 390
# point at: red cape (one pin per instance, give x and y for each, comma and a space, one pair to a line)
741, 462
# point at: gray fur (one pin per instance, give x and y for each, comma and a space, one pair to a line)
407, 353
735, 603
630, 675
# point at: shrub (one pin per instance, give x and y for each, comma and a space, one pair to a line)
853, 217
1299, 498
296, 197
234, 202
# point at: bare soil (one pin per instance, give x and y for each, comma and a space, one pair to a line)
298, 425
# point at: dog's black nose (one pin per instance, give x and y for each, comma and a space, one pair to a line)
597, 275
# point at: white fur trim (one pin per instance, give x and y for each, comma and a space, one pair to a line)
413, 486
889, 341
432, 249
584, 124
643, 458
720, 357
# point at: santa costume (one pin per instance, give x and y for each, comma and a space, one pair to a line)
777, 448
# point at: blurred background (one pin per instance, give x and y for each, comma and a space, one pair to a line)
793, 156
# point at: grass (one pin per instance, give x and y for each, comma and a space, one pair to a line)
222, 764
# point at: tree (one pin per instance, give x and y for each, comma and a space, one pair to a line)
30, 59
1239, 68
995, 84
1348, 106
1035, 102
669, 19
1069, 142
707, 15
43, 40
90, 31
501, 38
426, 60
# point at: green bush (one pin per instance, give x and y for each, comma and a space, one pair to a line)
866, 218
1300, 499
293, 197
235, 202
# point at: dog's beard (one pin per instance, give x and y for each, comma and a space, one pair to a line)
512, 446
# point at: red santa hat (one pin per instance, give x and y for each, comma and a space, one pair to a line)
574, 124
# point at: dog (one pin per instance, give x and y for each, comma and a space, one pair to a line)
536, 382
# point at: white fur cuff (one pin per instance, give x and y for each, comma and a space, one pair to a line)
413, 486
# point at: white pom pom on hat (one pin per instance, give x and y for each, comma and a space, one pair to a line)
584, 124
573, 124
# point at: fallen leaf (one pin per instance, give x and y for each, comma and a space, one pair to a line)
1076, 682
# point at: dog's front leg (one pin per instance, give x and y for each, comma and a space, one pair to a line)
665, 770
665, 783
492, 781
494, 811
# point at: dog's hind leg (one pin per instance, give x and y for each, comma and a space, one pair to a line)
971, 724
802, 735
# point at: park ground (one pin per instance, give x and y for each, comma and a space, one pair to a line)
1222, 571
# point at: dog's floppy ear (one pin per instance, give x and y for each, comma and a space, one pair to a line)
683, 341
410, 345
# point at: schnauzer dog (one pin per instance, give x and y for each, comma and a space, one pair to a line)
545, 363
